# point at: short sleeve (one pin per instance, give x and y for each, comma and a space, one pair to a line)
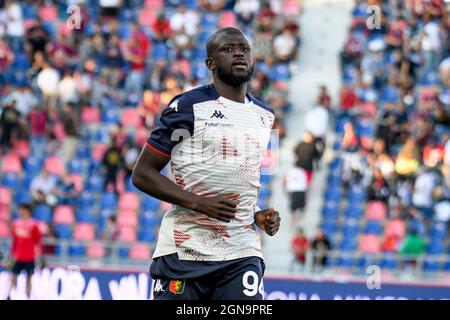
179, 115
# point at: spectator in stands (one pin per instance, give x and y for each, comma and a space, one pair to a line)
15, 29
26, 245
246, 10
284, 46
317, 122
38, 126
324, 98
296, 185
350, 151
352, 52
110, 8
37, 38
423, 189
306, 153
149, 107
185, 19
25, 99
390, 243
112, 161
48, 80
130, 154
412, 247
71, 124
67, 89
110, 234
10, 124
66, 191
407, 162
44, 188
161, 28
6, 57
212, 5
113, 62
378, 189
299, 247
136, 53
320, 246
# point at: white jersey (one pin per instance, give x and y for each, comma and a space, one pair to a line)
221, 152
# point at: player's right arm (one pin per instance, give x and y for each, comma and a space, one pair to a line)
147, 177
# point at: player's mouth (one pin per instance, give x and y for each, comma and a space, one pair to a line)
240, 65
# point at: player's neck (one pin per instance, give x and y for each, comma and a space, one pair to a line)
236, 94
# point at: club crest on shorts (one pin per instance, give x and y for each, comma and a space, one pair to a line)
177, 286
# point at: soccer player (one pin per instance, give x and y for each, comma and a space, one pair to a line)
208, 245
26, 243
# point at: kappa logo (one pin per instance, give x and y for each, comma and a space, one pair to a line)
177, 286
218, 114
174, 105
158, 286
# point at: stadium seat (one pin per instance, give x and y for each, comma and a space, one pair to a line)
148, 220
376, 210
22, 149
146, 234
63, 215
228, 19
84, 215
369, 244
77, 181
11, 164
129, 201
127, 219
373, 227
395, 227
77, 249
5, 196
90, 115
95, 250
140, 251
11, 181
147, 17
94, 183
351, 228
127, 234
99, 151
84, 232
48, 13
86, 199
54, 166
108, 200
63, 231
5, 214
4, 230
131, 118
42, 212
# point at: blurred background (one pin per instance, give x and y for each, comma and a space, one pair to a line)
361, 173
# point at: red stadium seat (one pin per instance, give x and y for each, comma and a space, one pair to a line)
90, 115
96, 250
141, 136
131, 118
228, 19
22, 149
369, 243
376, 210
129, 201
147, 17
43, 226
366, 143
84, 232
64, 215
99, 151
127, 234
5, 214
77, 181
140, 251
5, 196
291, 7
395, 227
48, 13
54, 166
11, 164
155, 5
4, 230
127, 219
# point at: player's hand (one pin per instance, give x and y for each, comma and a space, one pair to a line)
222, 207
268, 220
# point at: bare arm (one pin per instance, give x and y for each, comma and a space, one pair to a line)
148, 178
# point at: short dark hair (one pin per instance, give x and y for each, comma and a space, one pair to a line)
213, 40
26, 206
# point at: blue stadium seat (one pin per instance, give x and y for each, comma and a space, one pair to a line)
436, 247
32, 165
123, 252
147, 234
75, 166
23, 196
280, 72
353, 211
10, 180
431, 265
148, 219
86, 200
389, 261
150, 204
160, 50
351, 228
348, 244
77, 250
83, 151
42, 212
111, 116
373, 227
345, 261
439, 231
95, 183
84, 216
108, 200
329, 227
63, 231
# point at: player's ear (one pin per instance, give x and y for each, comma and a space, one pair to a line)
210, 64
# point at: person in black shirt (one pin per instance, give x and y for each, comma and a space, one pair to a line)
320, 246
112, 161
306, 152
9, 124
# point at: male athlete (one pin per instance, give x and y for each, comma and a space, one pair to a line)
208, 245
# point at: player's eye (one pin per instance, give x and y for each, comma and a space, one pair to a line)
245, 49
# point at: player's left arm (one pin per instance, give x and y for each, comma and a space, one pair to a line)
268, 220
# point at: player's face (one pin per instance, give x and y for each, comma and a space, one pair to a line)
233, 60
